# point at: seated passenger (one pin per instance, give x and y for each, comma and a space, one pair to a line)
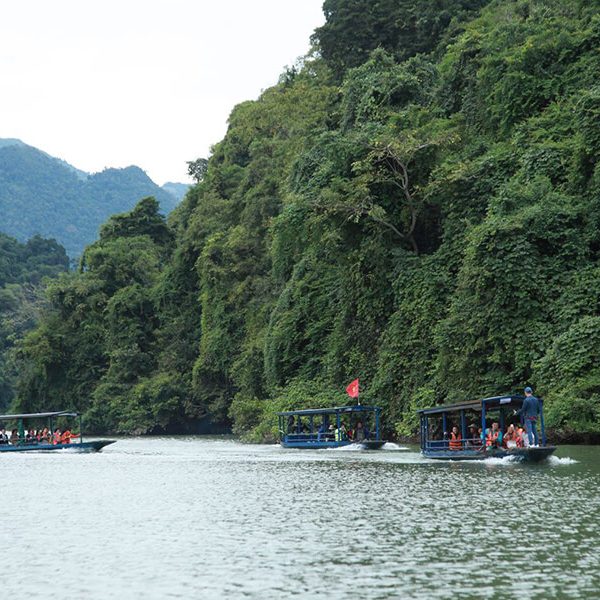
30, 437
455, 442
45, 437
474, 440
331, 432
519, 436
340, 434
3, 436
322, 431
524, 438
14, 437
510, 437
359, 432
494, 437
56, 438
67, 436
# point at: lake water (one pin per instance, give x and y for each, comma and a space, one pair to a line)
213, 518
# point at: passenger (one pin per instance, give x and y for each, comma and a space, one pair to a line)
350, 434
520, 433
455, 442
530, 411
3, 436
494, 437
510, 437
30, 437
474, 440
340, 434
359, 432
524, 438
14, 437
291, 425
331, 432
45, 437
322, 431
67, 436
56, 439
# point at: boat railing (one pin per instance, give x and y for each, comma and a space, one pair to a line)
466, 444
310, 437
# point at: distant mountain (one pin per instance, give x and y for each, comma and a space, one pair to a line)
41, 194
179, 190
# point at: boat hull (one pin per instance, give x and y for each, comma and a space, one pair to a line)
94, 446
319, 445
524, 454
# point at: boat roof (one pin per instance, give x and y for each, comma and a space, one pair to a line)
44, 415
333, 410
492, 402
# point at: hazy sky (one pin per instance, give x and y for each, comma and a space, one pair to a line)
111, 83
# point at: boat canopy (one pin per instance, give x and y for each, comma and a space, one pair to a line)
44, 415
488, 403
326, 427
329, 411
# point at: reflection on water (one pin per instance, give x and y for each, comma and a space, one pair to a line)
212, 518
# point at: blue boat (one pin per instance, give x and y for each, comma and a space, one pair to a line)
331, 427
23, 444
437, 424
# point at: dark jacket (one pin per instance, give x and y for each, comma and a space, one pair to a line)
530, 408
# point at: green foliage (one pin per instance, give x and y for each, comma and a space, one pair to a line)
429, 223
570, 375
23, 271
353, 28
97, 346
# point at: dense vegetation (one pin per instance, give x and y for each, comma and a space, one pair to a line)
417, 204
23, 269
41, 195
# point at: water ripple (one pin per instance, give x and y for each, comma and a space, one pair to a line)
190, 517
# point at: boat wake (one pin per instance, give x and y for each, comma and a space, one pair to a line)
561, 460
502, 460
388, 446
393, 447
515, 460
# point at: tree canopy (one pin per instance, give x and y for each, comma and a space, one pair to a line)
416, 203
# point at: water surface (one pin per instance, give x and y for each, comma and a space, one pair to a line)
213, 518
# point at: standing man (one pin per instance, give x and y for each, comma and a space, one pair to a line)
530, 411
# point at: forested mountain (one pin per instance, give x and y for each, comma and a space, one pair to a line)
23, 267
42, 195
416, 204
178, 190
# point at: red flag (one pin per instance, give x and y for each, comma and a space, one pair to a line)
352, 389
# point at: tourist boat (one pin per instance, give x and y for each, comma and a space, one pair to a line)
49, 419
331, 427
437, 423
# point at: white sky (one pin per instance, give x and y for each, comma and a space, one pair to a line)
111, 83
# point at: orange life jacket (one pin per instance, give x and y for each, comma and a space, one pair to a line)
67, 436
455, 441
56, 438
492, 438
